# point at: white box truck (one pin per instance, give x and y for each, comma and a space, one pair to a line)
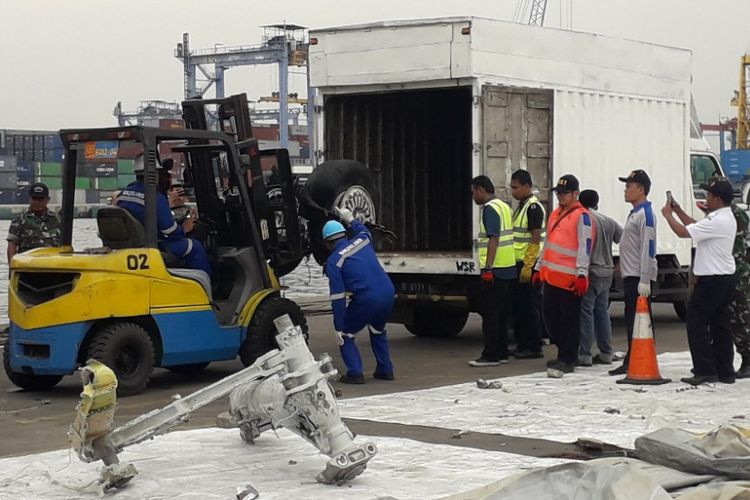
428, 104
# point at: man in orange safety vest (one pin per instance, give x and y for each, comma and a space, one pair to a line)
563, 270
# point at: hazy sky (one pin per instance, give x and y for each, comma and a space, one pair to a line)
65, 63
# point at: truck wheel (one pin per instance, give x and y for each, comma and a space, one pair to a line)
191, 369
127, 349
261, 333
680, 308
343, 184
431, 322
27, 381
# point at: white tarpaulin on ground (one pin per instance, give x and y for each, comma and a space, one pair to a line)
587, 403
207, 464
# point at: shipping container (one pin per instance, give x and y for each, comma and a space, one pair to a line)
266, 133
97, 170
84, 183
129, 150
107, 183
49, 169
429, 104
54, 154
124, 179
8, 163
125, 166
8, 180
736, 163
22, 196
171, 123
7, 196
51, 182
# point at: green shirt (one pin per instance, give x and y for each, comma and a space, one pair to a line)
29, 230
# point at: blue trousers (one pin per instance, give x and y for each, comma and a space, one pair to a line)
191, 251
595, 320
373, 314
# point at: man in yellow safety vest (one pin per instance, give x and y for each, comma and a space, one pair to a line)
497, 262
528, 240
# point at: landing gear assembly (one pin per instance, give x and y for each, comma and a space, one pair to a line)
285, 388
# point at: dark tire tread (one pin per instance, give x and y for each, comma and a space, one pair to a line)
104, 343
261, 331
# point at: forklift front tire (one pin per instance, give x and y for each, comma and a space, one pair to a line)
27, 381
261, 332
127, 349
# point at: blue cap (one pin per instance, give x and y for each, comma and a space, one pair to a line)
333, 230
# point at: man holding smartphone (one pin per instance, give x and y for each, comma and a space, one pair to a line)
638, 267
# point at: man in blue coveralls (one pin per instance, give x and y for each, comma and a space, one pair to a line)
171, 235
353, 267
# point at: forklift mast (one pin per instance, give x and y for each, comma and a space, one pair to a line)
274, 203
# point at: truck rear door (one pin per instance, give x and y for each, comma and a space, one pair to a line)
517, 133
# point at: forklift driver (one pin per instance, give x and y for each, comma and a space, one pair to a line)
171, 235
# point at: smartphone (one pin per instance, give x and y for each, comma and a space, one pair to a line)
670, 200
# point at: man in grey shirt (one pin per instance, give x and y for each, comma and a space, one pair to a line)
637, 251
595, 304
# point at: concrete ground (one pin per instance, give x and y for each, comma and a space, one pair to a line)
33, 422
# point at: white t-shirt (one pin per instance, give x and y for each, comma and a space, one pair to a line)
714, 239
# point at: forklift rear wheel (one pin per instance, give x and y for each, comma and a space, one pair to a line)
343, 184
127, 349
190, 369
261, 333
432, 322
27, 381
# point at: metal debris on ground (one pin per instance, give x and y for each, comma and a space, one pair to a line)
493, 384
285, 387
247, 492
612, 411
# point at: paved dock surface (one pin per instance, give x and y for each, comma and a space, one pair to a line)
32, 422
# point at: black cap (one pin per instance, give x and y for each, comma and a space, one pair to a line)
721, 187
39, 190
567, 184
639, 176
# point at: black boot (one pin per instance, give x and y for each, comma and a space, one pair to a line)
744, 371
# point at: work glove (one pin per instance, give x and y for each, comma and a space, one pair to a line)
488, 279
529, 259
345, 215
644, 289
525, 275
339, 338
536, 280
581, 285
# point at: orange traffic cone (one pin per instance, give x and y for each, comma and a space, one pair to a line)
643, 368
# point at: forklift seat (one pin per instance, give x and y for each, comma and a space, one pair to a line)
193, 274
118, 228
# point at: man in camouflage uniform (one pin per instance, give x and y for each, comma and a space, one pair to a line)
740, 306
36, 227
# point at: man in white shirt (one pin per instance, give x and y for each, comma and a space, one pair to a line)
708, 316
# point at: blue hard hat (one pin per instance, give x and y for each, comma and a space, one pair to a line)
332, 230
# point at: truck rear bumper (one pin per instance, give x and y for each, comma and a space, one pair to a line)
46, 351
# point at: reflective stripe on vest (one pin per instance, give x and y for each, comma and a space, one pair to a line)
504, 256
559, 265
521, 233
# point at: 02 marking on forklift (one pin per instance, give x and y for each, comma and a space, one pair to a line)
466, 266
137, 262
